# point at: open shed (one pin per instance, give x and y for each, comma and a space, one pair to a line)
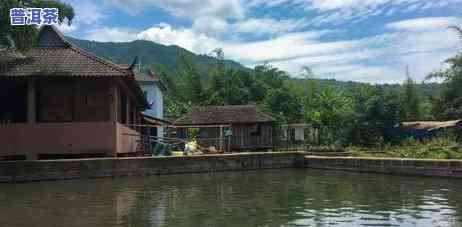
233, 127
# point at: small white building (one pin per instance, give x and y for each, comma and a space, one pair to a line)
153, 89
299, 133
294, 132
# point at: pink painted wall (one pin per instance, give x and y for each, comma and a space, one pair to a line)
66, 138
128, 140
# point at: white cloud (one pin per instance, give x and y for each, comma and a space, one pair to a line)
255, 27
365, 73
261, 26
186, 38
210, 26
107, 34
87, 14
66, 28
422, 63
424, 24
337, 12
162, 33
291, 45
423, 50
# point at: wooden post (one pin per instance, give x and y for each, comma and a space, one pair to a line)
135, 118
31, 111
31, 101
229, 140
127, 111
221, 138
114, 102
148, 136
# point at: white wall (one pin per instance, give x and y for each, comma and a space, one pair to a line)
154, 95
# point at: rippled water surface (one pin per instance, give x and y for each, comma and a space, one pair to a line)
255, 198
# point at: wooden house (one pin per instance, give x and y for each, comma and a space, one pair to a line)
238, 127
60, 100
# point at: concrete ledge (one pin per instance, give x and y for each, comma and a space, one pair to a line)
415, 167
20, 171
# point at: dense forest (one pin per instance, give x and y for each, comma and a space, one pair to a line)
344, 112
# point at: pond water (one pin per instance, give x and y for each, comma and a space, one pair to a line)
290, 197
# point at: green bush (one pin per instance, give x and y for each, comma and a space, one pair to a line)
439, 148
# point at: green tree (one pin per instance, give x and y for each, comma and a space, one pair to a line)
411, 100
192, 88
284, 105
227, 87
24, 37
310, 88
376, 113
448, 105
332, 112
269, 76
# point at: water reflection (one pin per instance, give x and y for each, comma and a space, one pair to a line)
256, 198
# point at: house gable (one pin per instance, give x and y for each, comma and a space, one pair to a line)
50, 37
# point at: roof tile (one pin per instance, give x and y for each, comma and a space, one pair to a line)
210, 115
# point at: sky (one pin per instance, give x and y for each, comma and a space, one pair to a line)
351, 40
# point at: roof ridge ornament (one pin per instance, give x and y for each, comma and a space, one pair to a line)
133, 64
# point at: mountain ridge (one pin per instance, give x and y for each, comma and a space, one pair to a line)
170, 56
149, 53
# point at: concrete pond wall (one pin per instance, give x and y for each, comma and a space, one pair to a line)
21, 171
414, 167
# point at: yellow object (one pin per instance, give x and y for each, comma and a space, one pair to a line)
191, 146
177, 153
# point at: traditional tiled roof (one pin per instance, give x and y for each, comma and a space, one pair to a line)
55, 56
9, 57
213, 115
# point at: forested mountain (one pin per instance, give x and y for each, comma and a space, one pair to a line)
150, 53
